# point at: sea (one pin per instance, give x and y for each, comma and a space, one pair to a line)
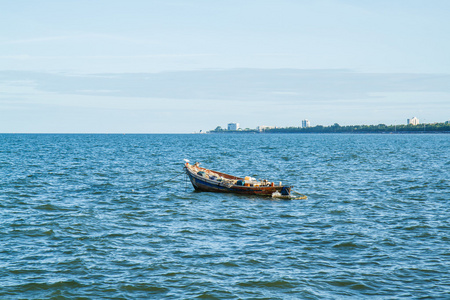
113, 216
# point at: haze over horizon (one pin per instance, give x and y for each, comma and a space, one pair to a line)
180, 67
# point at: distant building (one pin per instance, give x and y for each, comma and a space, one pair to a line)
305, 123
413, 121
233, 126
262, 128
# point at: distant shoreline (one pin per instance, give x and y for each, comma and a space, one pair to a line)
336, 133
352, 129
361, 133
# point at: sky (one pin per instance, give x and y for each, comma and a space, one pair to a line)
180, 66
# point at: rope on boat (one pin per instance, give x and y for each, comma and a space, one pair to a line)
301, 197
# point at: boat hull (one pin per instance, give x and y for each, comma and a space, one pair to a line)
203, 184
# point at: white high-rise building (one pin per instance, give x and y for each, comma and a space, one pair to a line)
233, 126
413, 121
305, 123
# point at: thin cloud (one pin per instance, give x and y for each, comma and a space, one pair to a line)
36, 40
77, 37
238, 84
146, 56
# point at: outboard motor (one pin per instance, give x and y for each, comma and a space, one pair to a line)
285, 191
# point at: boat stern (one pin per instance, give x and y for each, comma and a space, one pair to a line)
286, 190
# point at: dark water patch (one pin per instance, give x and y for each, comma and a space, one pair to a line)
32, 232
64, 295
145, 287
49, 207
25, 271
337, 212
348, 245
288, 216
229, 264
276, 284
216, 294
351, 285
70, 284
226, 220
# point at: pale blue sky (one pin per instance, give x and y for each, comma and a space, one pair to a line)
185, 66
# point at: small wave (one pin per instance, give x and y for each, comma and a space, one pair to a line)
281, 284
220, 294
229, 264
48, 286
348, 245
288, 216
27, 271
76, 261
415, 227
145, 287
337, 212
348, 283
34, 232
102, 185
47, 207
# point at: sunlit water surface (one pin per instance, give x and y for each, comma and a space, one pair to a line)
113, 217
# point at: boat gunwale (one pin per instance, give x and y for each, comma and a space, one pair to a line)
227, 176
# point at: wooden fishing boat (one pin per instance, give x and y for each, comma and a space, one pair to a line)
212, 181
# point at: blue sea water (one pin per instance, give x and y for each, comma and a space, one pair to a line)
113, 217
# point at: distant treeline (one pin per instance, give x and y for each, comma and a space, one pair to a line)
336, 128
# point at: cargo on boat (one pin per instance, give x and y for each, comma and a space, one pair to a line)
212, 181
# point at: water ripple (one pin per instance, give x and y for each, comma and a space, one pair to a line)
104, 216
